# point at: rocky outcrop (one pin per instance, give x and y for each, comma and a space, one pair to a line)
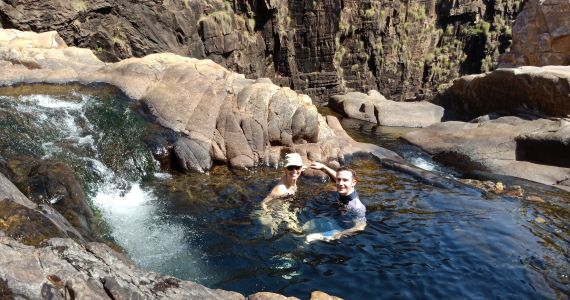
541, 35
220, 115
503, 145
404, 49
540, 90
376, 109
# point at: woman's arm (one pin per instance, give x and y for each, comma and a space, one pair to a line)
278, 191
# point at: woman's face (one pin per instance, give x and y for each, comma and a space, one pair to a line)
293, 172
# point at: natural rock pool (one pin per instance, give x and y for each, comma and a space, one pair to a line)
421, 242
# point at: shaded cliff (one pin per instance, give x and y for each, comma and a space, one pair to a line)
404, 49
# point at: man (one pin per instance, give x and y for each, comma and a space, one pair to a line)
349, 204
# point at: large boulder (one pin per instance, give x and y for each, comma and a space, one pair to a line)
375, 108
540, 90
498, 146
541, 35
219, 115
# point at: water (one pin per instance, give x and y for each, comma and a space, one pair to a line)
421, 242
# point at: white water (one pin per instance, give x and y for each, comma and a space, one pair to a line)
132, 213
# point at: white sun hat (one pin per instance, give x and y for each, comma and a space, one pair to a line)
293, 159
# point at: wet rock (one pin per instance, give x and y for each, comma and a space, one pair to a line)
375, 108
489, 146
497, 188
53, 184
533, 198
28, 222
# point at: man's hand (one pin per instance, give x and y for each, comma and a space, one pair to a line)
319, 166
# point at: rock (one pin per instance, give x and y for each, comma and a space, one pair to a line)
489, 146
53, 184
534, 199
269, 296
63, 269
555, 142
405, 49
541, 35
27, 222
217, 115
376, 109
318, 295
542, 91
514, 191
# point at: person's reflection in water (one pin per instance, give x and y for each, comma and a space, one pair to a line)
275, 208
349, 205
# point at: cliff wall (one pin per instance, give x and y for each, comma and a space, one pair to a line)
404, 49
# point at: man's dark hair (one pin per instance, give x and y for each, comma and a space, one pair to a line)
344, 168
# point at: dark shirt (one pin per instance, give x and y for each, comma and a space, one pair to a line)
352, 208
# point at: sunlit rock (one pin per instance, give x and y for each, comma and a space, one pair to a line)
375, 108
541, 35
490, 145
220, 115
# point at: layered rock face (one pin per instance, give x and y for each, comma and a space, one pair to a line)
404, 49
541, 35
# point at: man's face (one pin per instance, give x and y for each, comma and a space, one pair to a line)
345, 183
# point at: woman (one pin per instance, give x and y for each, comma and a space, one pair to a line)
274, 210
287, 185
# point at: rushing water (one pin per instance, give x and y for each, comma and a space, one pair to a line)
421, 242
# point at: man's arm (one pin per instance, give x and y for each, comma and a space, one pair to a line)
359, 226
320, 166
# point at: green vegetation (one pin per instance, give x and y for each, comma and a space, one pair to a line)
416, 12
480, 28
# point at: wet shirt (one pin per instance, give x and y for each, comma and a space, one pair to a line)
351, 208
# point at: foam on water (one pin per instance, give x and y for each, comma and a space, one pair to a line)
136, 224
48, 101
420, 162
